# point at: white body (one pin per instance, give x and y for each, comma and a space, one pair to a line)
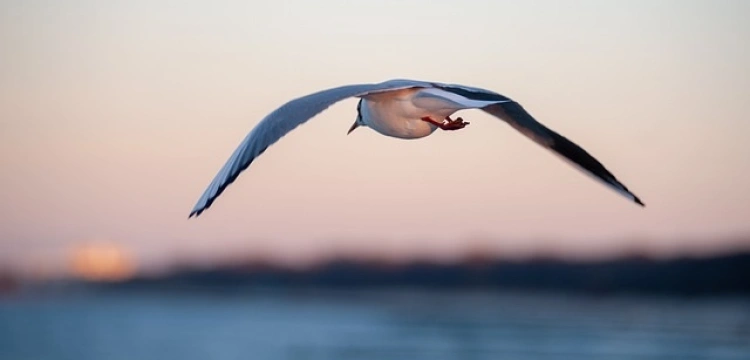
395, 114
399, 113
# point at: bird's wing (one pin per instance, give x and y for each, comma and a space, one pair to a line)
455, 97
281, 121
472, 93
515, 115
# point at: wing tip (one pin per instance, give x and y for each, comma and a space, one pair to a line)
638, 201
614, 183
195, 213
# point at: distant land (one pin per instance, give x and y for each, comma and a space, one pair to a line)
727, 274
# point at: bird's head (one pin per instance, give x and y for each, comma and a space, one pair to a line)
359, 121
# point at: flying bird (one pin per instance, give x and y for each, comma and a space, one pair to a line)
406, 109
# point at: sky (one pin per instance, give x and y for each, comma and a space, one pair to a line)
115, 116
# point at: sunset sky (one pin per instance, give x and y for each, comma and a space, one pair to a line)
115, 116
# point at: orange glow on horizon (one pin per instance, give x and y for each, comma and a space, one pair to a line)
102, 262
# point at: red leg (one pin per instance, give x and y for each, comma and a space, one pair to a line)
450, 124
433, 122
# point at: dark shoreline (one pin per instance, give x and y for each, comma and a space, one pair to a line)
710, 276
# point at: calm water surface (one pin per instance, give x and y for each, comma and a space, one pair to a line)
379, 324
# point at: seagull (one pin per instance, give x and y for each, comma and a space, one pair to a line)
405, 109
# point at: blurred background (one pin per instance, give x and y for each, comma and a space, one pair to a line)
475, 244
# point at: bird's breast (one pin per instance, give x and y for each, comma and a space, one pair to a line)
396, 117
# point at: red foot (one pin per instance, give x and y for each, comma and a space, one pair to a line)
448, 124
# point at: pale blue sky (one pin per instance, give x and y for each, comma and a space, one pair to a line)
114, 116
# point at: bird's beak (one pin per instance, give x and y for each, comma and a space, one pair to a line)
354, 126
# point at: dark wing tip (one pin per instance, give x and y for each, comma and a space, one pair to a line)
638, 201
226, 183
197, 212
634, 197
587, 162
515, 115
617, 184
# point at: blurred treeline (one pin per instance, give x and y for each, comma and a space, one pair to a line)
727, 274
